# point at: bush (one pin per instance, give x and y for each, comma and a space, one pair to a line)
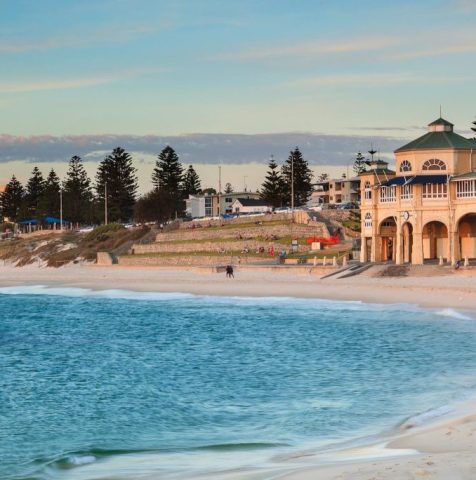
102, 231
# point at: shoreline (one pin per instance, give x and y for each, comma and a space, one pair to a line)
451, 291
441, 449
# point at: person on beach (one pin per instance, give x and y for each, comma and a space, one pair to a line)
229, 271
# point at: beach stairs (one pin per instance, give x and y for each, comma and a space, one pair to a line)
349, 271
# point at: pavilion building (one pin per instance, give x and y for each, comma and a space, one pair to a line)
426, 209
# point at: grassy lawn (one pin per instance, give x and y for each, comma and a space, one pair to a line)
237, 253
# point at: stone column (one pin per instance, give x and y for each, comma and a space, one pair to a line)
363, 249
455, 253
399, 245
417, 249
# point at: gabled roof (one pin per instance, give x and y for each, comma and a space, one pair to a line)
252, 202
439, 141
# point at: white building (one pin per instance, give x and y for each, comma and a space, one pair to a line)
251, 205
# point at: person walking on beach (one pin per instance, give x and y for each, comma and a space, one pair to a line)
229, 271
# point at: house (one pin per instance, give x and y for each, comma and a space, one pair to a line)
251, 205
213, 205
426, 209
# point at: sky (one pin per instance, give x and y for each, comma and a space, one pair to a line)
228, 82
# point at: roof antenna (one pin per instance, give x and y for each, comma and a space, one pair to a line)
372, 151
440, 112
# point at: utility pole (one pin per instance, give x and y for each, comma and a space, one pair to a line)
219, 190
244, 182
61, 208
105, 203
292, 184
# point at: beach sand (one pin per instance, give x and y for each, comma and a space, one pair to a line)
444, 449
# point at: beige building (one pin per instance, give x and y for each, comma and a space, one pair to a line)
336, 191
426, 210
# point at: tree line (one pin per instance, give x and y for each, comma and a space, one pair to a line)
116, 184
83, 201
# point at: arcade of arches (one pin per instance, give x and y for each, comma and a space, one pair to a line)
434, 242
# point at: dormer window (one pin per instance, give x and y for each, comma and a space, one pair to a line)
405, 166
434, 164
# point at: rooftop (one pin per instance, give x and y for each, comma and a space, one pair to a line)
252, 202
440, 136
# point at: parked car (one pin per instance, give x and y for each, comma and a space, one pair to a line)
348, 206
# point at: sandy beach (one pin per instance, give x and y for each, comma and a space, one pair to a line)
454, 289
442, 449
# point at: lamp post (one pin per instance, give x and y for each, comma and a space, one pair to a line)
105, 203
61, 208
292, 184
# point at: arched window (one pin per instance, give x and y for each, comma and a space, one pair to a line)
434, 164
368, 220
368, 190
405, 166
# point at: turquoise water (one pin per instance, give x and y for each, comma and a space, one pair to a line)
120, 385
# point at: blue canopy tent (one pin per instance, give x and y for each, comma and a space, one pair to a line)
45, 220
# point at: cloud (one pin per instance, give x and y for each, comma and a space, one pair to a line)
311, 49
16, 87
196, 148
409, 128
463, 5
78, 40
70, 83
373, 80
437, 50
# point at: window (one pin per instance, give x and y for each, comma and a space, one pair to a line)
435, 190
466, 189
405, 166
387, 194
406, 192
208, 207
228, 200
434, 164
368, 220
368, 191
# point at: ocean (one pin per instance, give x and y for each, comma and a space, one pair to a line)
122, 385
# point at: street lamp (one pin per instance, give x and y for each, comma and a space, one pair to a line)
61, 208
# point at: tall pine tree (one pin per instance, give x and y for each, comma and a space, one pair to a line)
473, 128
35, 189
117, 176
77, 196
359, 164
12, 200
297, 168
168, 178
168, 171
272, 187
191, 183
50, 203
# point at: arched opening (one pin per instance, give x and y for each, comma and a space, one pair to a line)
435, 241
467, 235
407, 242
388, 234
